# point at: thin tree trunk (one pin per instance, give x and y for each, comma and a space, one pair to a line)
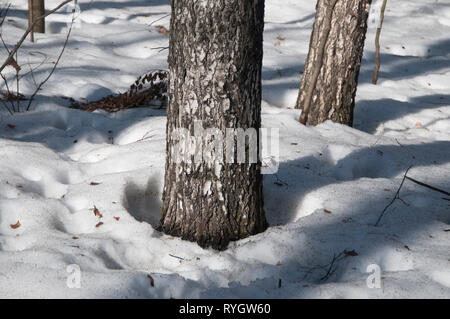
377, 45
215, 62
30, 18
330, 77
36, 9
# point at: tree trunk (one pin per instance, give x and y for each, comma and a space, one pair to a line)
36, 9
377, 44
330, 76
215, 61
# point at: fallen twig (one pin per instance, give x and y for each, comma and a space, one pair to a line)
428, 186
335, 259
177, 257
397, 196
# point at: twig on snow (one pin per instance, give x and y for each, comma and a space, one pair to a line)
427, 186
397, 196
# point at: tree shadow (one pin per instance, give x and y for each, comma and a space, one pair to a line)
143, 204
100, 5
370, 114
311, 238
310, 173
307, 17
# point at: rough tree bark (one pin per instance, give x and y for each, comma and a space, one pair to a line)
330, 77
215, 60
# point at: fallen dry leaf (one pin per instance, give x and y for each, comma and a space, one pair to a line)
277, 44
16, 225
278, 184
280, 38
14, 64
351, 253
326, 211
117, 218
97, 212
162, 29
99, 224
418, 124
152, 281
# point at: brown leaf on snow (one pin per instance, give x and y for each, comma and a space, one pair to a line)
280, 38
117, 218
99, 224
152, 281
352, 253
418, 124
16, 225
97, 212
278, 184
162, 29
14, 64
277, 44
326, 211
94, 183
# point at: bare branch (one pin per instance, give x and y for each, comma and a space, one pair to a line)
54, 66
427, 186
397, 196
24, 36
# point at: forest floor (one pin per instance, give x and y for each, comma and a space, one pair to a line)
58, 163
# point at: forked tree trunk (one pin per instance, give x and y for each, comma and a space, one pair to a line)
330, 76
215, 62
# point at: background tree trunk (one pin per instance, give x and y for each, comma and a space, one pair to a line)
377, 44
36, 9
215, 63
330, 76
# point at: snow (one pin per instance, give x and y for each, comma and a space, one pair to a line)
332, 184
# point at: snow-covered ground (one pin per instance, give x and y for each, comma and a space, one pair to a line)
57, 163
